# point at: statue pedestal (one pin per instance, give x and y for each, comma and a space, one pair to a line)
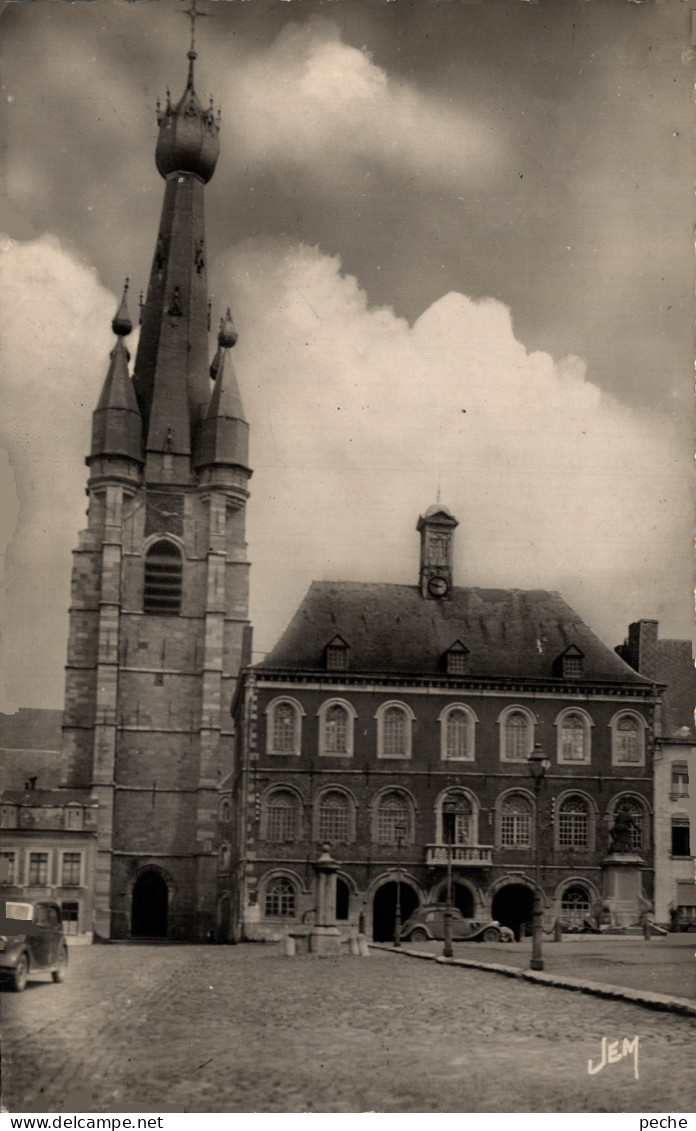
325, 940
622, 888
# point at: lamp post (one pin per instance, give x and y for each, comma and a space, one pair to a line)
400, 831
449, 810
538, 765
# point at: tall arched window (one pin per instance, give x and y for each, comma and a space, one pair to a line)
517, 734
280, 898
456, 819
573, 738
283, 727
282, 816
393, 819
628, 744
574, 822
515, 821
334, 817
394, 731
163, 579
457, 731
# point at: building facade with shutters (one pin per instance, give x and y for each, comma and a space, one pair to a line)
395, 722
158, 618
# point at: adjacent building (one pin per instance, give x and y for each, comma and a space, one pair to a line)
158, 617
670, 662
395, 722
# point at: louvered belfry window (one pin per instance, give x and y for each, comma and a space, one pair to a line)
163, 578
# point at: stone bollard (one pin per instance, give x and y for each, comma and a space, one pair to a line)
557, 931
363, 947
354, 946
290, 947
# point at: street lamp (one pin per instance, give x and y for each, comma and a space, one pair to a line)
449, 810
400, 831
538, 765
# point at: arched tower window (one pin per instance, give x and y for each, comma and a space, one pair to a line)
163, 579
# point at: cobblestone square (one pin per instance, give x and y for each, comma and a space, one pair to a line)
244, 1029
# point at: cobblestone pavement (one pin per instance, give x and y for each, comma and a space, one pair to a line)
665, 965
242, 1029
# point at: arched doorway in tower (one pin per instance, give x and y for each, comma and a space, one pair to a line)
512, 906
342, 899
150, 906
462, 897
384, 909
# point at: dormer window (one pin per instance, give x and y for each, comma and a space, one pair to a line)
456, 659
570, 664
336, 655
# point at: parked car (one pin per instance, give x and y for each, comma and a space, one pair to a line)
428, 922
32, 942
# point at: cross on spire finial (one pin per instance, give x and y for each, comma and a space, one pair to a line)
193, 13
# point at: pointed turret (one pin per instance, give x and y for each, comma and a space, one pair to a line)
223, 436
116, 421
171, 365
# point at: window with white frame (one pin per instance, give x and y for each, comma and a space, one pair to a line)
70, 914
516, 813
38, 868
71, 869
336, 729
457, 725
282, 816
457, 819
8, 871
280, 898
574, 827
680, 780
283, 727
517, 735
73, 816
573, 737
628, 744
393, 818
394, 731
334, 817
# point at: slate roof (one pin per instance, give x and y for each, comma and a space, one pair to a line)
509, 633
675, 667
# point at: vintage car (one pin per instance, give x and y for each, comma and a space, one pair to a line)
428, 922
31, 941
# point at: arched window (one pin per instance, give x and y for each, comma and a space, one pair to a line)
224, 810
336, 729
574, 822
456, 819
224, 858
457, 725
394, 731
282, 817
283, 727
515, 821
575, 905
163, 579
573, 745
516, 734
628, 745
393, 819
334, 817
638, 828
280, 898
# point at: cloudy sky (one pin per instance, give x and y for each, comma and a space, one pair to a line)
456, 239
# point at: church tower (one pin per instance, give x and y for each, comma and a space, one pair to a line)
159, 607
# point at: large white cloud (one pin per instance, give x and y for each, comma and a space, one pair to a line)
355, 417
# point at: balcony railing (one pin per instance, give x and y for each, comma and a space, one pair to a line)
470, 855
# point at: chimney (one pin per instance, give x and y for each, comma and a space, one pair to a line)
640, 648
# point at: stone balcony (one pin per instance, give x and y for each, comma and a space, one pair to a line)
463, 855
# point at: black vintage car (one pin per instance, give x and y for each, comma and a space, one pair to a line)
428, 922
31, 942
